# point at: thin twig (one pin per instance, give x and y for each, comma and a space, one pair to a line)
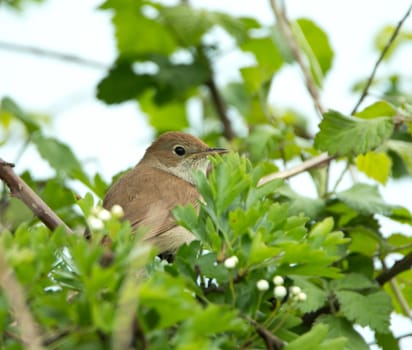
401, 265
380, 59
323, 158
221, 109
286, 30
14, 293
22, 191
60, 56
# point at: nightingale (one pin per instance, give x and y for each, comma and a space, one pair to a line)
162, 180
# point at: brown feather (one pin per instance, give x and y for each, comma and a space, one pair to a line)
129, 190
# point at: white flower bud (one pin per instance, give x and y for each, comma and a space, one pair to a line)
104, 215
279, 292
117, 211
301, 296
295, 290
230, 263
95, 223
278, 280
262, 285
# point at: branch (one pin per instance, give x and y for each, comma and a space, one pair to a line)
323, 158
36, 51
401, 265
14, 293
220, 109
287, 32
22, 191
380, 59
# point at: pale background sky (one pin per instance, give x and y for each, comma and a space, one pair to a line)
112, 138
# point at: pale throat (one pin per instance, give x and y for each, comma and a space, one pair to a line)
187, 167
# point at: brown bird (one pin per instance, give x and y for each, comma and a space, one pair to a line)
162, 180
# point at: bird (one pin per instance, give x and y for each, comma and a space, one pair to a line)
162, 180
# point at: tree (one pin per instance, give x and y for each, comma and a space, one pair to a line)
273, 269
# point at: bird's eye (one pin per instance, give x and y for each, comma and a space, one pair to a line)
180, 151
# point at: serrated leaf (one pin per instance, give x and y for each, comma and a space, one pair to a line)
342, 135
376, 110
340, 327
376, 165
371, 310
316, 296
366, 199
353, 281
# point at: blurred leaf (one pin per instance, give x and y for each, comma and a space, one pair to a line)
377, 165
340, 327
316, 338
387, 341
404, 150
315, 43
8, 105
266, 53
342, 135
383, 36
365, 199
166, 117
60, 157
137, 34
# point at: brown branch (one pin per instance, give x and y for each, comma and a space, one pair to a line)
401, 265
272, 342
287, 32
60, 56
14, 293
323, 158
221, 109
22, 191
380, 59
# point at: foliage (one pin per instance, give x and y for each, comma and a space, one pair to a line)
220, 292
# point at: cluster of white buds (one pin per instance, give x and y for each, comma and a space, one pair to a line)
297, 294
230, 263
100, 215
280, 291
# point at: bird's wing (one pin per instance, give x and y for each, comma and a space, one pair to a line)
139, 186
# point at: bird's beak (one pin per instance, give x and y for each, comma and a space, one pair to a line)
216, 151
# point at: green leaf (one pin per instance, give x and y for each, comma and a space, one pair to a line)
137, 34
342, 135
170, 116
376, 110
122, 84
354, 281
340, 327
188, 24
371, 310
376, 165
266, 53
316, 339
10, 106
365, 199
169, 297
316, 296
387, 341
315, 43
404, 150
60, 157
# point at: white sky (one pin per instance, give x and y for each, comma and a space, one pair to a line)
112, 138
